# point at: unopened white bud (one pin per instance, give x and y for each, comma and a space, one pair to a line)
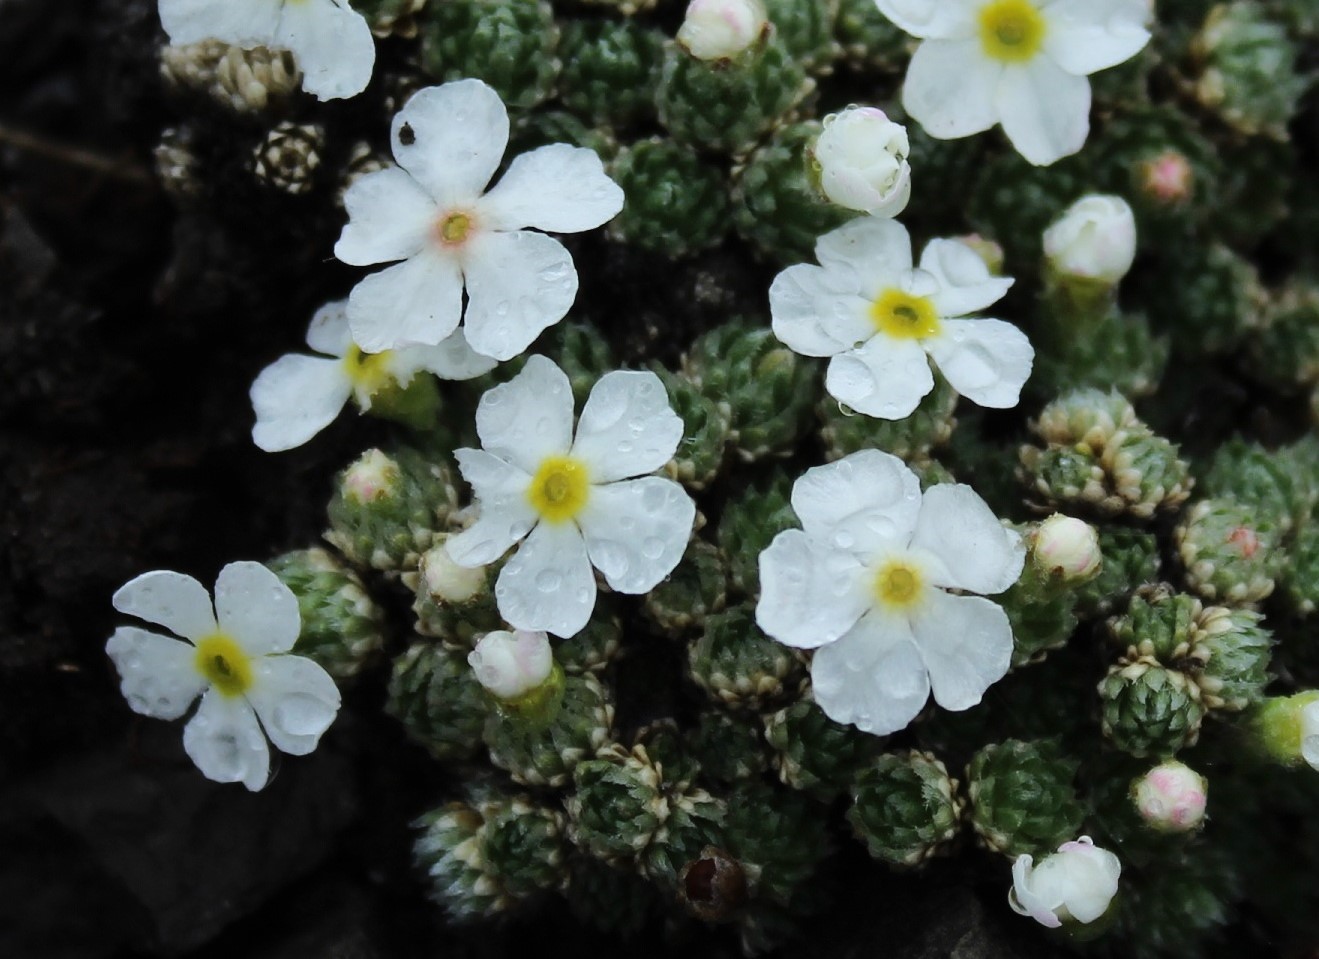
448, 582
1094, 240
721, 29
372, 476
863, 161
1171, 797
1075, 884
1067, 547
510, 665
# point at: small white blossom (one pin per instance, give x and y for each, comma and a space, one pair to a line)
878, 317
1308, 705
432, 212
865, 583
1076, 883
1021, 63
721, 29
235, 656
863, 161
1067, 547
297, 396
1171, 797
330, 40
1095, 239
510, 665
572, 498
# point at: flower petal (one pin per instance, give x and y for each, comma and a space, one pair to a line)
979, 554
548, 584
965, 283
173, 600
966, 643
295, 398
817, 312
874, 253
859, 504
256, 609
873, 677
416, 302
505, 515
943, 19
241, 22
627, 426
157, 675
296, 701
517, 285
1089, 35
390, 217
452, 359
529, 417
1045, 111
332, 44
884, 377
950, 88
451, 139
810, 594
636, 531
987, 361
560, 188
328, 332
225, 741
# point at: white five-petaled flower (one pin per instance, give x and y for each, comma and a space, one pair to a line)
297, 396
1076, 884
1021, 63
431, 213
877, 317
865, 584
330, 40
572, 498
235, 656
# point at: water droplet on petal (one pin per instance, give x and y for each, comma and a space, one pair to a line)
548, 580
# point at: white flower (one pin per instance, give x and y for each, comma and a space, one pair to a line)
235, 657
430, 212
877, 317
864, 583
863, 161
1307, 704
1095, 239
1171, 797
1075, 883
297, 396
1066, 547
721, 29
330, 40
571, 498
510, 665
1021, 63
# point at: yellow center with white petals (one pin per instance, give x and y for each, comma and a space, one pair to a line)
560, 488
368, 372
453, 228
224, 664
904, 316
899, 584
1011, 30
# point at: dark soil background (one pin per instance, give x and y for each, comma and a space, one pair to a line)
129, 334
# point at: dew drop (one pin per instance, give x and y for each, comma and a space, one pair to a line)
652, 548
844, 540
548, 580
625, 446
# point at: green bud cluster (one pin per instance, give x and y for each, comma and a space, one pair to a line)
905, 808
434, 694
739, 666
813, 753
342, 628
510, 44
1022, 797
547, 755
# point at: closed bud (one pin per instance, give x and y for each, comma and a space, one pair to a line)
721, 29
1171, 797
1066, 547
512, 664
1094, 240
863, 161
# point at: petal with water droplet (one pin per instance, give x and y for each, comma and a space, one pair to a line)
635, 559
296, 701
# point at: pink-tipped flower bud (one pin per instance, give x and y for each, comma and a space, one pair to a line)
1171, 797
721, 29
1066, 547
512, 664
370, 478
863, 161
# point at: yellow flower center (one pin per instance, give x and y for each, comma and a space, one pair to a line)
1011, 30
453, 228
559, 489
904, 316
899, 584
369, 372
224, 664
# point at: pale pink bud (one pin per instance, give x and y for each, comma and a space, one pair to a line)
1171, 797
371, 477
1067, 547
510, 665
721, 29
